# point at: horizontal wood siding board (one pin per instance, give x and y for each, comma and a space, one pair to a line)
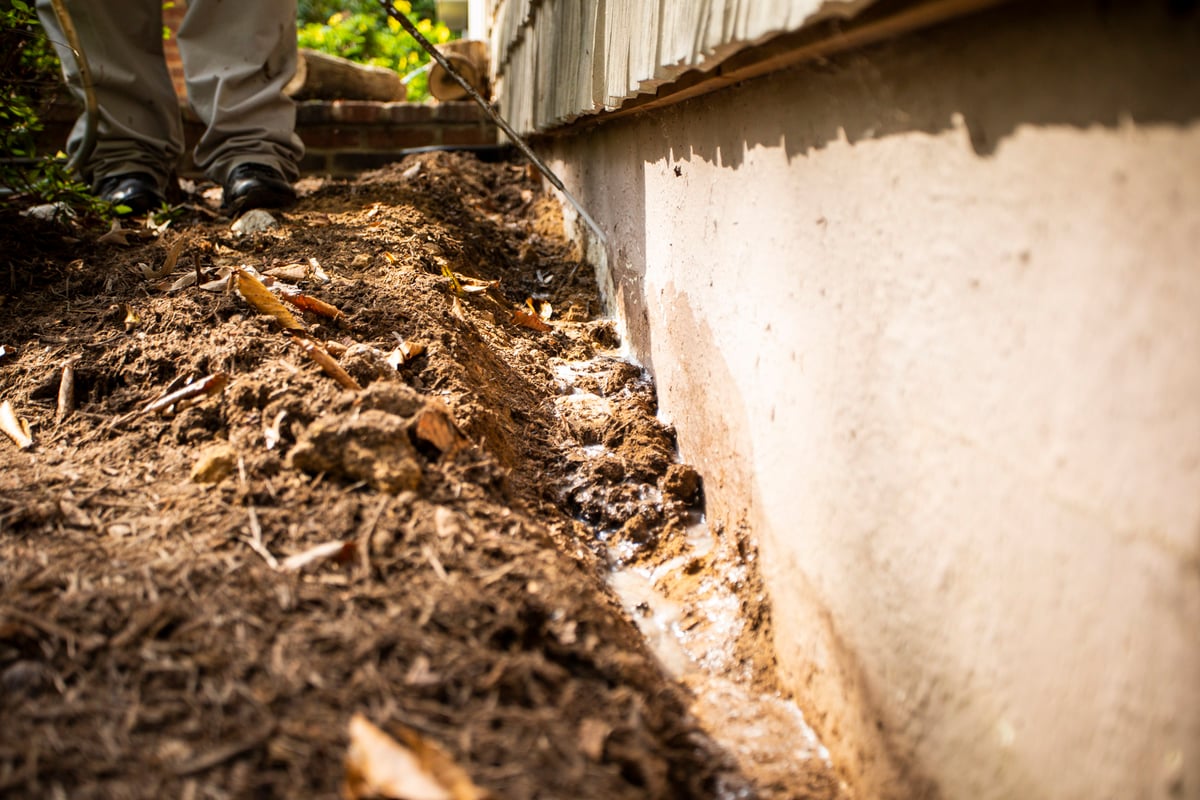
560, 61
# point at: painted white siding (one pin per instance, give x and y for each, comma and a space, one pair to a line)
557, 60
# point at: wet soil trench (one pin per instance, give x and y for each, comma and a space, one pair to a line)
467, 522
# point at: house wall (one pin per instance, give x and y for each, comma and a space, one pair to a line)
926, 315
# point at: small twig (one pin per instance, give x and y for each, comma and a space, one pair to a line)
434, 562
42, 625
25, 773
364, 537
255, 539
222, 754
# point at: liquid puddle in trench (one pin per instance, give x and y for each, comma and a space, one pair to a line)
684, 600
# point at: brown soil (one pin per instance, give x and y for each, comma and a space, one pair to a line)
153, 642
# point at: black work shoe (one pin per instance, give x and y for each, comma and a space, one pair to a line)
137, 191
256, 186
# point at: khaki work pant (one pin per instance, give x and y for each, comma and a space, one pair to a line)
237, 57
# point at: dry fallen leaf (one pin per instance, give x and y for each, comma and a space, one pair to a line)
212, 384
475, 285
528, 320
132, 320
182, 282
259, 296
169, 264
305, 302
404, 352
331, 367
378, 766
116, 234
221, 284
318, 272
542, 308
447, 272
436, 427
16, 428
289, 272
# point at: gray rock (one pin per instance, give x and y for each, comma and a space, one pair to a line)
254, 221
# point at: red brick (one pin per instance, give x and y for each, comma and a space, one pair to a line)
330, 137
353, 163
473, 134
173, 18
316, 164
399, 137
406, 113
312, 112
355, 111
459, 111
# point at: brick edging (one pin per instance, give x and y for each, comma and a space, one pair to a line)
341, 137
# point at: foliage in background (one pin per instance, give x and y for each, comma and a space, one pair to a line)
321, 10
29, 82
360, 31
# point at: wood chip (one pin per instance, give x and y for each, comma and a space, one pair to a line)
338, 551
66, 393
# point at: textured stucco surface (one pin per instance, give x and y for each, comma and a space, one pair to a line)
928, 318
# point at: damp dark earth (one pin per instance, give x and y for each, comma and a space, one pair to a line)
418, 484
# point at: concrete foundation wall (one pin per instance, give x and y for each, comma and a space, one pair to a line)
927, 317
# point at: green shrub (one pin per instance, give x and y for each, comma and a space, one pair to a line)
363, 33
29, 82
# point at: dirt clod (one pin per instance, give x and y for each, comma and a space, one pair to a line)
370, 446
215, 463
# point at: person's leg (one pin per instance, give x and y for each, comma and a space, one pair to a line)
139, 126
237, 57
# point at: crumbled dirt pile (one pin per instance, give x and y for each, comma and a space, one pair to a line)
167, 628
